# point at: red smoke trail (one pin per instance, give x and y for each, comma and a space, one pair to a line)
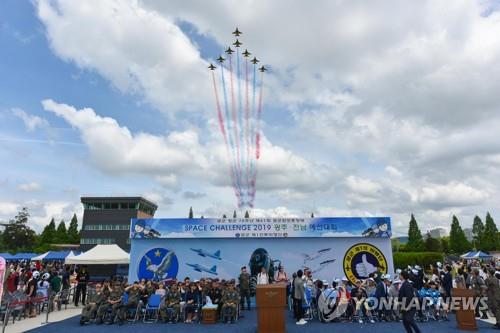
247, 135
257, 141
224, 135
259, 113
235, 120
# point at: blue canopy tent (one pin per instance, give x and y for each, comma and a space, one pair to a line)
7, 256
24, 256
57, 255
17, 256
476, 255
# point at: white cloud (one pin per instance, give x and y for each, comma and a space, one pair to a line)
8, 210
451, 195
114, 149
30, 121
405, 107
29, 187
139, 51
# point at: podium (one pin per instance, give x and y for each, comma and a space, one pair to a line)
466, 319
271, 304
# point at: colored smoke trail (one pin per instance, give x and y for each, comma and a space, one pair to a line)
239, 119
259, 114
247, 120
223, 131
235, 120
236, 185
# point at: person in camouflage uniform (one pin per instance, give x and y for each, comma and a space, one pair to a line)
94, 300
134, 296
244, 283
113, 302
172, 301
230, 302
215, 295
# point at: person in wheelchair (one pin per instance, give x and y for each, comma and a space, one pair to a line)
230, 303
94, 300
113, 304
171, 307
360, 303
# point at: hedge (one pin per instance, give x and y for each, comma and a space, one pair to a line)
423, 259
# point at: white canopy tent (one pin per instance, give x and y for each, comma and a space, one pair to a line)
41, 256
100, 255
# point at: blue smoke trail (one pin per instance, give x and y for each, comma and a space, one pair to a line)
231, 143
240, 111
252, 134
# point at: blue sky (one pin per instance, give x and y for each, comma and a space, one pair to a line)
360, 118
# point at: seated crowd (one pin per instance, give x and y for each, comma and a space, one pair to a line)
170, 300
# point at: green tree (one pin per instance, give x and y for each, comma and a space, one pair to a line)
247, 215
18, 236
224, 216
73, 233
312, 215
396, 245
190, 212
490, 239
48, 235
458, 241
432, 244
61, 233
234, 215
445, 244
477, 232
415, 240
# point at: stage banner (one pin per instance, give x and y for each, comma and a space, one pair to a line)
373, 227
3, 268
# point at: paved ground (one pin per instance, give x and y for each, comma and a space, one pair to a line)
248, 325
32, 323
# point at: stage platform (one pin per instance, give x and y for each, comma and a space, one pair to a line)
248, 325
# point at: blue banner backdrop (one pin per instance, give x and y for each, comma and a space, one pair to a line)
373, 227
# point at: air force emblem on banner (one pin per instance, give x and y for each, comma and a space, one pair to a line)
363, 259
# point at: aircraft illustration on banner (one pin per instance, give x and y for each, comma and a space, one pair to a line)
201, 268
322, 265
313, 256
205, 254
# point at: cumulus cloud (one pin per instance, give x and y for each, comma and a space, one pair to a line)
139, 51
403, 111
30, 121
454, 194
193, 195
29, 187
114, 149
41, 212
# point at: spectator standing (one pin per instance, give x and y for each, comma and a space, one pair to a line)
82, 279
493, 293
244, 281
460, 279
281, 275
65, 279
447, 281
406, 297
262, 277
298, 298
